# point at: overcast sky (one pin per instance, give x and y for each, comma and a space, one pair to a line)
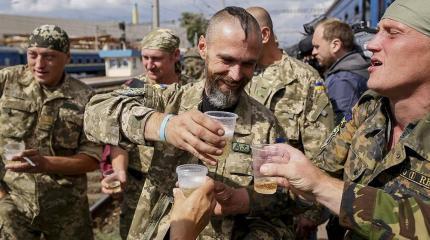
288, 15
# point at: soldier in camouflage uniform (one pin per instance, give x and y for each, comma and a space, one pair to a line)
295, 93
194, 65
160, 59
230, 48
43, 107
383, 152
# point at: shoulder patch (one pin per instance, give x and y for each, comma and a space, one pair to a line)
131, 92
319, 86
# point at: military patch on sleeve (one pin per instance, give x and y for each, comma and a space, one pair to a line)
335, 131
131, 92
416, 177
241, 147
319, 86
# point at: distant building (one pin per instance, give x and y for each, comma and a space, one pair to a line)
15, 29
122, 63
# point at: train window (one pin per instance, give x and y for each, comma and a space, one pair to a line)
7, 61
112, 63
79, 60
346, 17
72, 60
125, 62
88, 60
102, 60
118, 62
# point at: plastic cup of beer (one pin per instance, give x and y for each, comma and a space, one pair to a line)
111, 178
190, 177
261, 154
13, 149
228, 121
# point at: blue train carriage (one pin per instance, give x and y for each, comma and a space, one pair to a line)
82, 62
10, 56
86, 62
354, 11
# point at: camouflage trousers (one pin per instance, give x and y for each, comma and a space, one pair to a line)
69, 223
135, 181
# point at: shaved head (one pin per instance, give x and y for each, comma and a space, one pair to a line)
230, 15
262, 16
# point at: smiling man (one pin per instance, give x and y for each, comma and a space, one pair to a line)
43, 107
160, 59
230, 48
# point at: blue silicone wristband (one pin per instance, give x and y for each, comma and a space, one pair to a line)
163, 127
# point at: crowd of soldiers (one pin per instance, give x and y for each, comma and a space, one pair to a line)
361, 159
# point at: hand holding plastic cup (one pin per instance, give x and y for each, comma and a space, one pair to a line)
190, 177
261, 154
13, 149
111, 181
228, 121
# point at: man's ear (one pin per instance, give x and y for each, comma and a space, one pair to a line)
202, 45
177, 54
336, 45
265, 34
69, 57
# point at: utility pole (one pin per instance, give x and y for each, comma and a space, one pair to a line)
155, 14
96, 39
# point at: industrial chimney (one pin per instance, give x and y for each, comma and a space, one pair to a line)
135, 15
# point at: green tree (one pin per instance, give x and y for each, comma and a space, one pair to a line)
195, 24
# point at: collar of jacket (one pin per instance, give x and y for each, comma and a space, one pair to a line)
416, 141
194, 94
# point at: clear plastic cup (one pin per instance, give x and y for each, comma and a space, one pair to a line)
228, 121
263, 153
13, 149
190, 177
110, 177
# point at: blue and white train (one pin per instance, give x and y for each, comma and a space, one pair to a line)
82, 61
355, 11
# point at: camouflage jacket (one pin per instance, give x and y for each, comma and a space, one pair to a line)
119, 118
52, 122
140, 156
387, 192
295, 93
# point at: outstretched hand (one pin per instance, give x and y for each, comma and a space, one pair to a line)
191, 214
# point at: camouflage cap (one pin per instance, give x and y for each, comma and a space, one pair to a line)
161, 39
50, 36
414, 13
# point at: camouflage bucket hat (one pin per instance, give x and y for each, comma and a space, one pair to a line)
50, 36
161, 39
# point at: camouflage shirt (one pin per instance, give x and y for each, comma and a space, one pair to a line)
50, 120
295, 93
140, 156
387, 192
119, 118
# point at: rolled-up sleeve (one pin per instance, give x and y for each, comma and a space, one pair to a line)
118, 119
